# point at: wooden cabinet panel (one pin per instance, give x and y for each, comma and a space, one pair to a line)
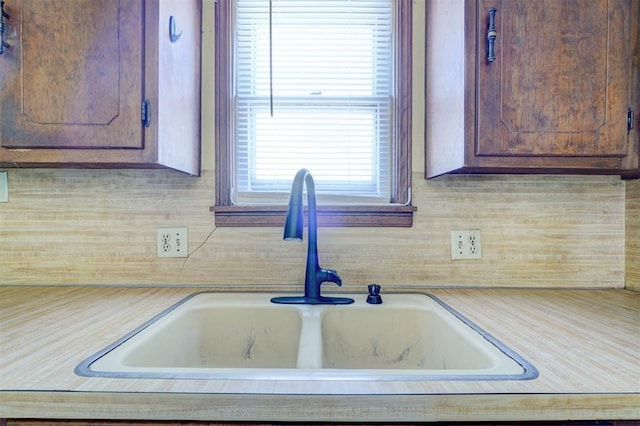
76, 75
548, 92
555, 98
77, 72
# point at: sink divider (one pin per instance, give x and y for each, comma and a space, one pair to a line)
310, 345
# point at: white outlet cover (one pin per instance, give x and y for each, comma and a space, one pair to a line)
466, 244
172, 242
4, 187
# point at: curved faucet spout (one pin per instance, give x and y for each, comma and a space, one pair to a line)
293, 228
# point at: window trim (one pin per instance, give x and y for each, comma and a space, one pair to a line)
399, 214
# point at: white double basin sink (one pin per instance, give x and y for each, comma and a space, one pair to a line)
212, 335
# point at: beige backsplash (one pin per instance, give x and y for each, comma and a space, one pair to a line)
99, 227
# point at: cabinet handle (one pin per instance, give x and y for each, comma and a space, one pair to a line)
3, 15
491, 35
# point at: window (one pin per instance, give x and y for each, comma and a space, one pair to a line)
321, 84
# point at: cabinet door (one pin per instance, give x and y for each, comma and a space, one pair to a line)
559, 85
72, 75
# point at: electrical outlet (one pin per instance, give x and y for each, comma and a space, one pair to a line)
466, 244
4, 187
173, 242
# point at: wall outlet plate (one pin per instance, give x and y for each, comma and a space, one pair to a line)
466, 244
4, 187
172, 242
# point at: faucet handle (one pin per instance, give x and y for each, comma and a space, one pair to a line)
330, 275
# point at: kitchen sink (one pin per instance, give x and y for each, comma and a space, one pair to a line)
212, 335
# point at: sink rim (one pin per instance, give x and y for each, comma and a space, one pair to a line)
267, 373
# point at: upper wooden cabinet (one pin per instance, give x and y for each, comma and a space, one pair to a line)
552, 92
101, 83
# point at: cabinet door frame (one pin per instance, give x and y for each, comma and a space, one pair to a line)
172, 138
455, 44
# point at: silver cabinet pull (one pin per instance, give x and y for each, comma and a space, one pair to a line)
492, 34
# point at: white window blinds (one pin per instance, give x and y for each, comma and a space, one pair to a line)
313, 88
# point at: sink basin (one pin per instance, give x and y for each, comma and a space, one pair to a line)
245, 336
225, 337
405, 339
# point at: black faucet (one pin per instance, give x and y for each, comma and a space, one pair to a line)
314, 275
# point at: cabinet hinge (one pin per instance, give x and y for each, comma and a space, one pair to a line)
145, 113
629, 120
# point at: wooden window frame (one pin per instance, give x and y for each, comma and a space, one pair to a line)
398, 214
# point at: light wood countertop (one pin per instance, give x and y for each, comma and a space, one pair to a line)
585, 344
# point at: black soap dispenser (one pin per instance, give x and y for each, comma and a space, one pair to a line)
374, 297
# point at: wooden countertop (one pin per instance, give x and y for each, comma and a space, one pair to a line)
585, 344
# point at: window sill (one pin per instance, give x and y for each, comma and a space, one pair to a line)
331, 216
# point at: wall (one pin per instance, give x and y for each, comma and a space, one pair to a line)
633, 235
98, 227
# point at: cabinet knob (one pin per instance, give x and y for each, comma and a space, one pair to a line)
492, 34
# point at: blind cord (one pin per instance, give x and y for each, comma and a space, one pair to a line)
271, 57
